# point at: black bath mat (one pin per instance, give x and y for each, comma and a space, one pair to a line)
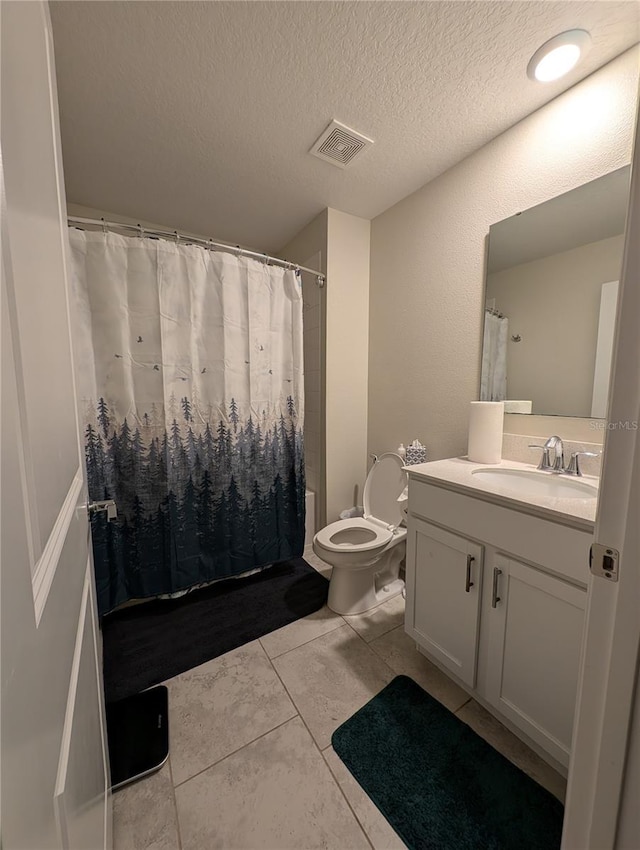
441, 786
149, 643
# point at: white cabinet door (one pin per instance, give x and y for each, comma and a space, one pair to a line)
444, 581
535, 638
54, 771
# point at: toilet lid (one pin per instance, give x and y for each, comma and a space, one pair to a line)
385, 482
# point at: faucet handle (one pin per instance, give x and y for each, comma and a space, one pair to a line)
574, 463
545, 460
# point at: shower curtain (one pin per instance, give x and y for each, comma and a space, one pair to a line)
493, 381
191, 379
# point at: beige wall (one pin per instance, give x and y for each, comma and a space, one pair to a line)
428, 256
309, 247
347, 363
554, 304
344, 241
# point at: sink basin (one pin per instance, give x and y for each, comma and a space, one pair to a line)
524, 482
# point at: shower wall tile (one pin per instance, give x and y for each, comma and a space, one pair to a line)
310, 294
313, 482
312, 403
311, 318
312, 357
312, 381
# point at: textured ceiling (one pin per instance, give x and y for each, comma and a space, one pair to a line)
200, 115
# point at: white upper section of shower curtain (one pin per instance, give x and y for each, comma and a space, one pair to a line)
166, 321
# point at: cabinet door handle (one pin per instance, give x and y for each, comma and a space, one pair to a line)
468, 583
494, 595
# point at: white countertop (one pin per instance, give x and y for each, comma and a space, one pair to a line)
457, 474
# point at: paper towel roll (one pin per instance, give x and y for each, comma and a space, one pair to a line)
485, 431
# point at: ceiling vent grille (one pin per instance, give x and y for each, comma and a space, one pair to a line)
340, 145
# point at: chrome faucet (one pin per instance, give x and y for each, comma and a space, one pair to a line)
554, 442
574, 463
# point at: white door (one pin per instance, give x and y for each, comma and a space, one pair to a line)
604, 775
444, 582
52, 744
535, 635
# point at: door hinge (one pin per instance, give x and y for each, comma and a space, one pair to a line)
107, 505
604, 561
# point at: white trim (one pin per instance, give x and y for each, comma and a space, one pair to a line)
103, 719
47, 565
24, 452
65, 746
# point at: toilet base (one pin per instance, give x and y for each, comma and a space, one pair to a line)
356, 591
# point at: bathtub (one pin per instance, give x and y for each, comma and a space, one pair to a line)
310, 523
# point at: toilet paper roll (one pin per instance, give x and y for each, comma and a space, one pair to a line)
485, 431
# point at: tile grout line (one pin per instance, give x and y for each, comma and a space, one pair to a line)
377, 654
287, 651
246, 744
236, 751
466, 702
324, 761
175, 804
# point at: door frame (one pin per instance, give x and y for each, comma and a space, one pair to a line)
610, 654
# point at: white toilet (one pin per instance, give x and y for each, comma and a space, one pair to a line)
365, 552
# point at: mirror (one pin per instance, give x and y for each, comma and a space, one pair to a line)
550, 301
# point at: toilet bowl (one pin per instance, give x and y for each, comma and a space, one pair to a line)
366, 552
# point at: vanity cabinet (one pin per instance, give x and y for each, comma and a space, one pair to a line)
534, 640
497, 598
446, 613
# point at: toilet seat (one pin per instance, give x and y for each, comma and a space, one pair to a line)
382, 512
381, 535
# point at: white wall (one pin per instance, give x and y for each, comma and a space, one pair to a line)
428, 255
553, 303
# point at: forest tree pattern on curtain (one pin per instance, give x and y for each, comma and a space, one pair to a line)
190, 368
195, 502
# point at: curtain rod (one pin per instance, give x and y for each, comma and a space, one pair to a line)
194, 240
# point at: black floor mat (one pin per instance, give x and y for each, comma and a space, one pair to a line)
149, 643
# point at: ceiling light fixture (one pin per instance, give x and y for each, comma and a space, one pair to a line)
558, 56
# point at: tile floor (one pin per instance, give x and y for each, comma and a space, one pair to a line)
251, 762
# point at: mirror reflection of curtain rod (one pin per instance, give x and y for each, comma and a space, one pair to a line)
490, 307
494, 312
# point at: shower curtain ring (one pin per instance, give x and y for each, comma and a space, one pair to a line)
140, 231
104, 225
177, 237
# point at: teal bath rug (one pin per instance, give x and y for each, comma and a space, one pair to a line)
441, 786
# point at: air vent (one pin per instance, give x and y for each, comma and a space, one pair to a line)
340, 145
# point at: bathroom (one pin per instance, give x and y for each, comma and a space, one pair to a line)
397, 248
